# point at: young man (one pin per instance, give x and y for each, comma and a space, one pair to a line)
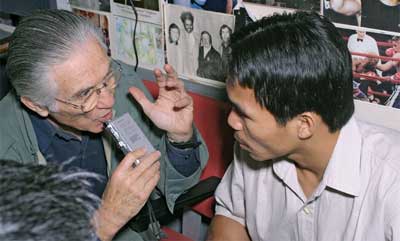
65, 88
303, 168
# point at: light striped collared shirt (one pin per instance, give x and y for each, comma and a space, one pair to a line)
357, 199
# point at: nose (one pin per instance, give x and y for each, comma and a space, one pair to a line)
106, 99
234, 121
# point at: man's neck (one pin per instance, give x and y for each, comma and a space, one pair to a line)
206, 50
311, 161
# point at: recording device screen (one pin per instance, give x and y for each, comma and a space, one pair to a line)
127, 134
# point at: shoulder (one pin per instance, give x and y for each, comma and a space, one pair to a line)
9, 104
214, 52
371, 39
381, 163
382, 145
17, 138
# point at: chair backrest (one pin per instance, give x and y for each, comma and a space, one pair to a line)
210, 117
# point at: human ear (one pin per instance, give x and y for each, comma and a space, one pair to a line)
306, 125
41, 110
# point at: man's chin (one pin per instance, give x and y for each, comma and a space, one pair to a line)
97, 127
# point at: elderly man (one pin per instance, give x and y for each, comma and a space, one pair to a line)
304, 168
65, 88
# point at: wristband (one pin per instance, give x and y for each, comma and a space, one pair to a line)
192, 143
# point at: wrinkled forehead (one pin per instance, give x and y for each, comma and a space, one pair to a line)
86, 66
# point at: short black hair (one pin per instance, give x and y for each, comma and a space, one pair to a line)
224, 26
187, 15
207, 33
171, 26
295, 63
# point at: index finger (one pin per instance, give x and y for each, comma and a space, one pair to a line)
173, 80
158, 74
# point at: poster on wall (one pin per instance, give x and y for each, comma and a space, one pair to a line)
97, 5
197, 43
376, 65
377, 14
149, 42
100, 20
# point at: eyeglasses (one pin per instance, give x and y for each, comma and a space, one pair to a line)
89, 98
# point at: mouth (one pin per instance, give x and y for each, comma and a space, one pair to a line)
106, 117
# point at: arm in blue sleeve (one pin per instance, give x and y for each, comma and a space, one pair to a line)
185, 161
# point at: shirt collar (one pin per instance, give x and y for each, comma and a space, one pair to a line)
45, 131
343, 170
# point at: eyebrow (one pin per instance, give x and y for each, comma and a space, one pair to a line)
238, 108
79, 92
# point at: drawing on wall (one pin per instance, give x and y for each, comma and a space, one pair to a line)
148, 43
100, 20
376, 66
377, 14
198, 42
98, 5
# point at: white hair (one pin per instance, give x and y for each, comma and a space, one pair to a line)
40, 41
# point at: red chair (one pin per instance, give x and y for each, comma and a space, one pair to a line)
210, 117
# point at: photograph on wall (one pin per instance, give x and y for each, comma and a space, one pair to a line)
98, 5
377, 14
197, 42
148, 11
307, 5
375, 64
100, 20
148, 43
